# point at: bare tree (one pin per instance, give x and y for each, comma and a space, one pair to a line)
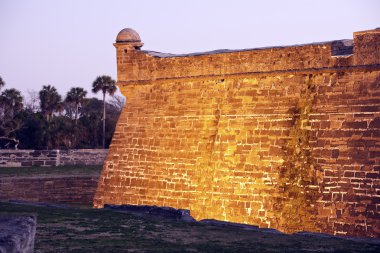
8, 130
11, 103
32, 101
118, 102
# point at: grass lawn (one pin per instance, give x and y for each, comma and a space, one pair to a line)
99, 230
59, 170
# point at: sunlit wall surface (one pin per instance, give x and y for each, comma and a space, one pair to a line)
286, 138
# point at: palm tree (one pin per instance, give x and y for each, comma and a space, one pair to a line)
2, 83
76, 96
107, 85
11, 102
50, 101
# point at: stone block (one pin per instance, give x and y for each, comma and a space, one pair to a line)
17, 234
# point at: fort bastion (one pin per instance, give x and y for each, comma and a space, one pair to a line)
281, 137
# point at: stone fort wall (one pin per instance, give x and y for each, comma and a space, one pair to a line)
55, 157
282, 137
70, 189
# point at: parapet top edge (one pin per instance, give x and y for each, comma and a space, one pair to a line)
347, 42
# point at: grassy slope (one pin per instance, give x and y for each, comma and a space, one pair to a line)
96, 230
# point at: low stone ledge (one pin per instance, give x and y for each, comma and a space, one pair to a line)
155, 211
17, 234
184, 215
239, 226
47, 158
70, 189
324, 235
40, 204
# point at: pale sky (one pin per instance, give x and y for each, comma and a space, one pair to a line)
69, 42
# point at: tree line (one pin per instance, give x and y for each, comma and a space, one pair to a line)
47, 121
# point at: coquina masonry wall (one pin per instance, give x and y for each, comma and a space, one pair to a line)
26, 158
72, 189
283, 137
